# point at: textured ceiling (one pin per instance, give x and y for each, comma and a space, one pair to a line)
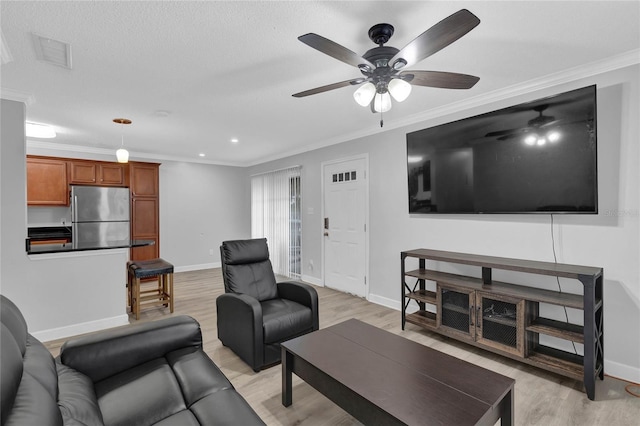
193, 75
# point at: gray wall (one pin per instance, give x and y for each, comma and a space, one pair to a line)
59, 294
201, 205
609, 239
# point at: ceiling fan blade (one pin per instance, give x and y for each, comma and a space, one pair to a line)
510, 132
444, 80
334, 50
328, 87
437, 37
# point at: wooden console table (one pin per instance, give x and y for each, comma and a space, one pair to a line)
505, 318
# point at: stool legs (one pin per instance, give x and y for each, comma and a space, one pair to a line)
137, 298
163, 293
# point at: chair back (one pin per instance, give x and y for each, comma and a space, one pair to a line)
246, 268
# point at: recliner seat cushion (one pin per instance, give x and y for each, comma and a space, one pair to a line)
284, 319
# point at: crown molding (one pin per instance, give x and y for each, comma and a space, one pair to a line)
33, 144
15, 95
613, 63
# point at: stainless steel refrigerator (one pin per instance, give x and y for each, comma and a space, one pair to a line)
99, 215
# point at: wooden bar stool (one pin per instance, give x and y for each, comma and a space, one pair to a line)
161, 295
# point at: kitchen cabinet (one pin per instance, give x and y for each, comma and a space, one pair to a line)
145, 208
144, 179
96, 173
47, 182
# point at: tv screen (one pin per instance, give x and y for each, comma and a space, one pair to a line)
536, 157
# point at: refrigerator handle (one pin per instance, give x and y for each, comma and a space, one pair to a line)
74, 209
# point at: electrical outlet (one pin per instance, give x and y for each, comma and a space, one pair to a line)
210, 252
311, 264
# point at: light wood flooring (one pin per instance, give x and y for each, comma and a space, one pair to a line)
541, 398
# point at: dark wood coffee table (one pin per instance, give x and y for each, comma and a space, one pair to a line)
381, 378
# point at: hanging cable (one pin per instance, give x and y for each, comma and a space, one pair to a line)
555, 260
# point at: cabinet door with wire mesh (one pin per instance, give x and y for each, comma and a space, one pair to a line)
500, 322
456, 311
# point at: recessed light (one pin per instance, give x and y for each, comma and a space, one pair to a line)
37, 130
234, 140
201, 154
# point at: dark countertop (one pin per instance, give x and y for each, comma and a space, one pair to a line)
71, 247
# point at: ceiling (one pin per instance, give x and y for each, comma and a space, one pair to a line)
194, 75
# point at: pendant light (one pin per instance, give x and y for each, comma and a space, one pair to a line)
122, 154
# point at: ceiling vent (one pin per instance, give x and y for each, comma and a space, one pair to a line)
52, 51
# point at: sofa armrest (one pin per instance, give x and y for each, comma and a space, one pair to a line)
240, 326
301, 293
110, 352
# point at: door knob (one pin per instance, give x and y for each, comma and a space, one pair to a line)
326, 234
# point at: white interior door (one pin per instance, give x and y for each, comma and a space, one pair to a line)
345, 219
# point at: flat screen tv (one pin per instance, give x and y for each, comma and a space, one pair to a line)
536, 157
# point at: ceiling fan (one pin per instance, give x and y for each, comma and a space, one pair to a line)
535, 124
538, 131
383, 67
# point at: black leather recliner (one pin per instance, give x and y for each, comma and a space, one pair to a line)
144, 374
256, 314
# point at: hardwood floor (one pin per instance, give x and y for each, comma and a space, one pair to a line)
541, 398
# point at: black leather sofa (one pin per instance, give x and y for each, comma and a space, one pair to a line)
146, 374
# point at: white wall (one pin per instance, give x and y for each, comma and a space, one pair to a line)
609, 239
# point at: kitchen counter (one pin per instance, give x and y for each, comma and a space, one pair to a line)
84, 246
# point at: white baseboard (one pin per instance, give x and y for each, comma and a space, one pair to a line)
312, 280
199, 267
385, 301
622, 371
85, 327
611, 368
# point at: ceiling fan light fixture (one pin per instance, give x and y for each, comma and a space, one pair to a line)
365, 93
382, 102
553, 136
531, 139
399, 89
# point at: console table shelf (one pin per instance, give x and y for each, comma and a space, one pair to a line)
504, 317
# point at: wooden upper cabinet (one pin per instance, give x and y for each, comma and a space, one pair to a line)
144, 179
111, 174
47, 182
97, 173
82, 172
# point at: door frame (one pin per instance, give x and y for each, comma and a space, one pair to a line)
365, 157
